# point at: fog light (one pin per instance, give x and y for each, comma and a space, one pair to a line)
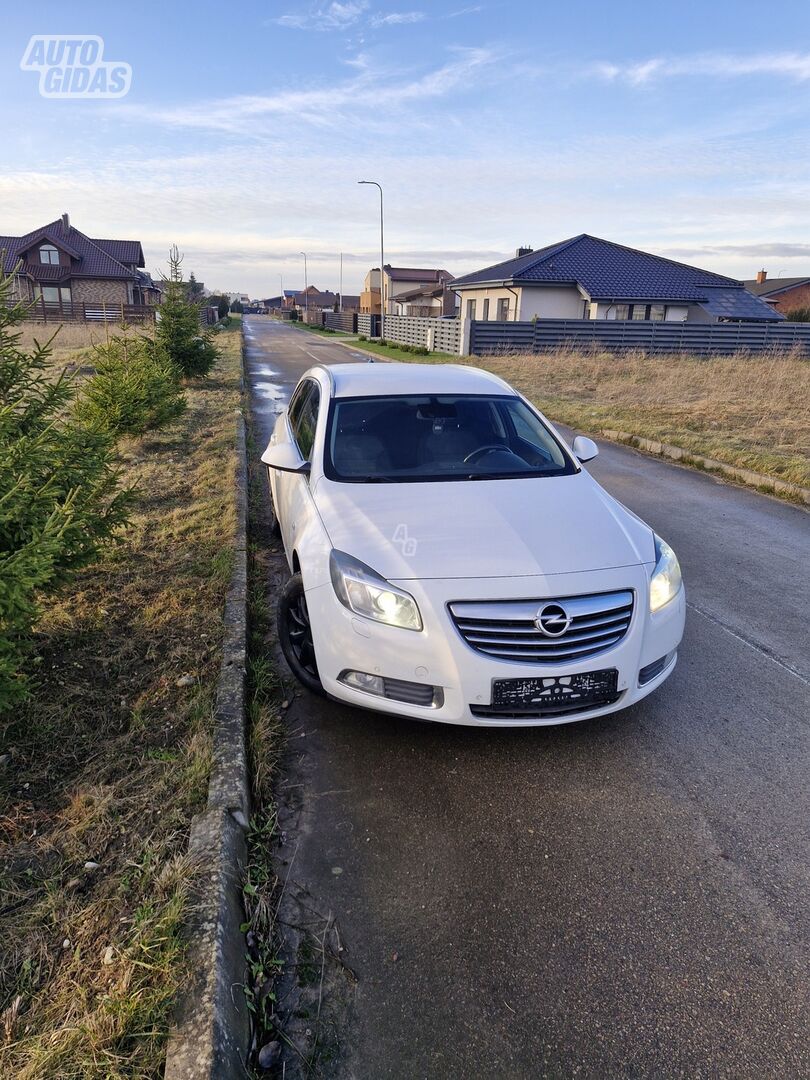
361, 680
650, 671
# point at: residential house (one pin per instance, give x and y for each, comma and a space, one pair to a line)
312, 299
370, 296
62, 266
589, 278
427, 301
405, 286
785, 294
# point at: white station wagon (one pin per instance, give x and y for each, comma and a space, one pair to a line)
451, 559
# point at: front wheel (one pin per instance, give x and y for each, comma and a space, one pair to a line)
295, 635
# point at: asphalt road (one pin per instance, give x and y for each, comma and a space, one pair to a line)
625, 897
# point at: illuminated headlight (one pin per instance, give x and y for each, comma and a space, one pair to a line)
666, 577
364, 592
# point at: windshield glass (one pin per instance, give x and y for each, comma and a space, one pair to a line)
418, 438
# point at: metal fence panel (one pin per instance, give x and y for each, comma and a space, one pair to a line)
341, 320
619, 335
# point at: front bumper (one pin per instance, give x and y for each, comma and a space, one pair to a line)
439, 656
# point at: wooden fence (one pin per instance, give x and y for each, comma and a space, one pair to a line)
100, 311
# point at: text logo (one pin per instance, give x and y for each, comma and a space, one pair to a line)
73, 66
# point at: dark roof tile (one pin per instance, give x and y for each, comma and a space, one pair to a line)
91, 258
609, 272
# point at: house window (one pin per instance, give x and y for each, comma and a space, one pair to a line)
52, 294
471, 309
503, 309
622, 311
48, 255
658, 312
639, 312
485, 314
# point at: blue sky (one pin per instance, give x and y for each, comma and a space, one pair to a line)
681, 129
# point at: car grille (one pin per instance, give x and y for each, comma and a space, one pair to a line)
494, 712
507, 629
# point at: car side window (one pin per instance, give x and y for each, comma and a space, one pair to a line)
297, 403
304, 418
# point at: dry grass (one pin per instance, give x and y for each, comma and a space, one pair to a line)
74, 341
747, 410
110, 759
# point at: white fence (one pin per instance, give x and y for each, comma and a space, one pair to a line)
436, 335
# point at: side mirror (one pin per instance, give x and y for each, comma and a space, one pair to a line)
284, 457
584, 449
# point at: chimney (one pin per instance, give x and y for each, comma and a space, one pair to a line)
761, 276
65, 224
523, 251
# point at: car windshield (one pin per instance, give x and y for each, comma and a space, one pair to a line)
447, 437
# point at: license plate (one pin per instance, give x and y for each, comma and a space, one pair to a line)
588, 688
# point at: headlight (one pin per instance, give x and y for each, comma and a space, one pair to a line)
666, 577
363, 591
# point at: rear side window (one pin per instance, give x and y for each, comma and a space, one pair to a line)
304, 417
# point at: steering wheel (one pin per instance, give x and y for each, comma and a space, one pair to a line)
490, 448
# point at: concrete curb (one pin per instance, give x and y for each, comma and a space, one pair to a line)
211, 1031
676, 453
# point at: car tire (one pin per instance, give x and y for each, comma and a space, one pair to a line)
295, 635
273, 525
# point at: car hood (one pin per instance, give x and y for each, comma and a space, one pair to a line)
486, 528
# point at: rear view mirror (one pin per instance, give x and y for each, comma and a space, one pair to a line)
284, 457
584, 449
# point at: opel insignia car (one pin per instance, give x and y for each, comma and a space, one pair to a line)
451, 559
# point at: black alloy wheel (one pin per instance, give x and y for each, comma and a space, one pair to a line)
295, 635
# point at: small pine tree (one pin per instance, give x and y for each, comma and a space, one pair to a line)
195, 289
60, 495
178, 331
135, 388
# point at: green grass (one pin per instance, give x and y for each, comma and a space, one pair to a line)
110, 759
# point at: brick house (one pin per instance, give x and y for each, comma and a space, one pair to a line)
785, 294
62, 268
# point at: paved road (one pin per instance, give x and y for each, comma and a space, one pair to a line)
626, 897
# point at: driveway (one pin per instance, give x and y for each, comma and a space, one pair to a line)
625, 897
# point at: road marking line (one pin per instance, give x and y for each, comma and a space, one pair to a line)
317, 359
751, 644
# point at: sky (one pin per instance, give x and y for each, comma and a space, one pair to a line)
681, 129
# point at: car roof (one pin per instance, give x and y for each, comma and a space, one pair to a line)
374, 379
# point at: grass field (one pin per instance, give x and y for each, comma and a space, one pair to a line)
752, 411
73, 342
109, 759
747, 410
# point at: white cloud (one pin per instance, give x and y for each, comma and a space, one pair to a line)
789, 65
398, 18
321, 106
334, 16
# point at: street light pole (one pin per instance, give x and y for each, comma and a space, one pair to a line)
382, 258
340, 302
306, 290
281, 283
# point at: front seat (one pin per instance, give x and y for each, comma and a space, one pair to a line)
359, 454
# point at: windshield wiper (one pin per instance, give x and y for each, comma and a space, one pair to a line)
377, 479
502, 476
